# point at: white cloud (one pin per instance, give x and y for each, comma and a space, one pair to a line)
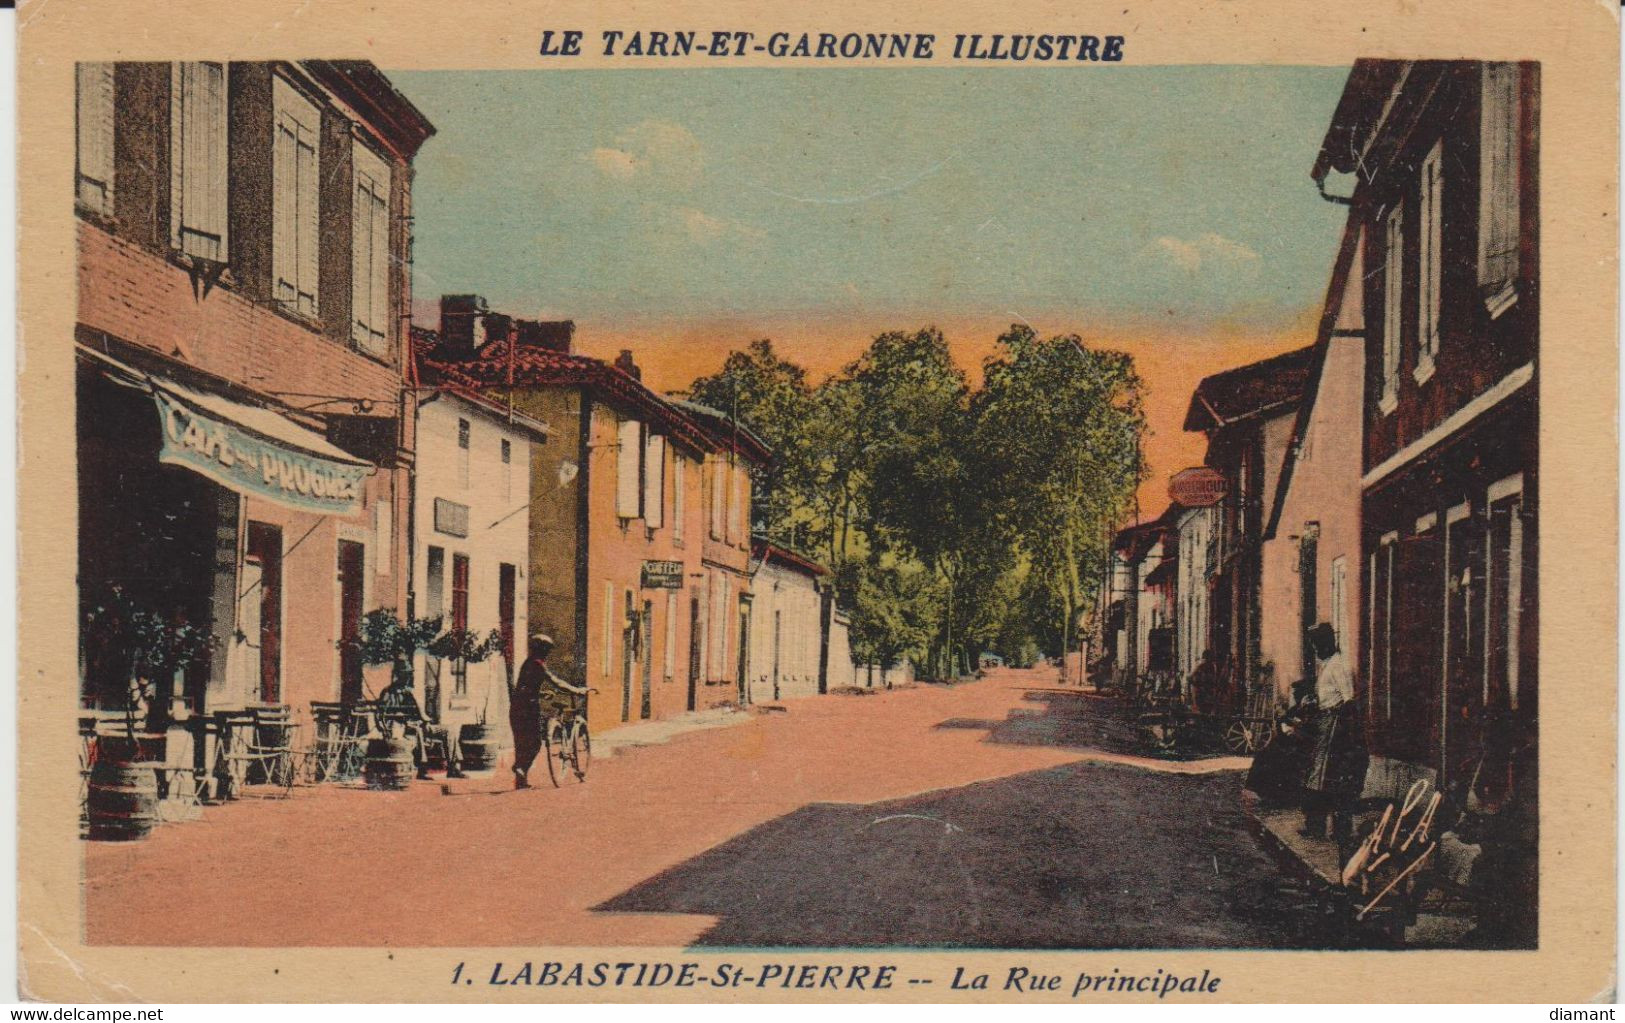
704, 229
1208, 249
652, 149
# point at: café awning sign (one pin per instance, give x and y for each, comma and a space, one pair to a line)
256, 451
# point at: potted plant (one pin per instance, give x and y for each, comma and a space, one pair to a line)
476, 741
387, 639
149, 650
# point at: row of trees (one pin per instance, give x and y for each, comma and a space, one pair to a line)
954, 519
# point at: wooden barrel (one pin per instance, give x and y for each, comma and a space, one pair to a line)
122, 801
479, 747
389, 763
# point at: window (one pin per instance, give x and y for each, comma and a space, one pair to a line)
1429, 275
294, 217
197, 160
94, 112
435, 584
507, 469
1498, 215
1393, 287
718, 495
670, 660
464, 451
679, 502
731, 482
628, 468
369, 278
654, 481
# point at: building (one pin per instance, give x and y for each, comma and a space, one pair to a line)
786, 644
1443, 161
725, 552
244, 437
618, 516
471, 549
1247, 414
1311, 557
1196, 537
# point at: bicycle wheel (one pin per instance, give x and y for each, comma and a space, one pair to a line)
581, 748
554, 750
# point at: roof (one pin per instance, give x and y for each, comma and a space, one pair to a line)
726, 431
359, 83
766, 550
1359, 110
1273, 384
493, 369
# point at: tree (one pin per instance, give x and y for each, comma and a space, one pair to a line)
1064, 424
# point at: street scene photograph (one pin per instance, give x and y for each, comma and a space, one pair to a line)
852, 508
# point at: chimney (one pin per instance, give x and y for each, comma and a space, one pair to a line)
457, 316
624, 363
550, 335
498, 328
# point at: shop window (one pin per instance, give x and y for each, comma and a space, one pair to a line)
294, 200
197, 160
369, 278
94, 114
1500, 124
1429, 276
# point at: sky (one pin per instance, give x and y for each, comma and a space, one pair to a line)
683, 213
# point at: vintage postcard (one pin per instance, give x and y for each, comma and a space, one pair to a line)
923, 502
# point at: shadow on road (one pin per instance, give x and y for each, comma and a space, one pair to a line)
1082, 856
1071, 719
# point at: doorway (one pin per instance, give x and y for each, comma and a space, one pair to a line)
352, 569
647, 650
744, 652
260, 606
693, 652
1308, 586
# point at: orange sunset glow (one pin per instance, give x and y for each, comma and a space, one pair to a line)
1171, 363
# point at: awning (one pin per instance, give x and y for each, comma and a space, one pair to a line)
252, 450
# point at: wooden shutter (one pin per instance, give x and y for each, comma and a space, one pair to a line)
94, 189
671, 635
370, 253
679, 503
719, 469
1498, 217
654, 481
198, 160
1429, 275
628, 449
295, 210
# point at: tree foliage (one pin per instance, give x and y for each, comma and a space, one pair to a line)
955, 519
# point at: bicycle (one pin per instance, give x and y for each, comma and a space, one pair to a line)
566, 744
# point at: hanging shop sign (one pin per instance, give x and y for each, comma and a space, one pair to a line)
662, 575
1201, 487
275, 458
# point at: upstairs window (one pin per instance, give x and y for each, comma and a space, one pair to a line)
1393, 290
294, 219
1500, 126
717, 497
94, 114
1429, 275
464, 446
197, 160
369, 278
